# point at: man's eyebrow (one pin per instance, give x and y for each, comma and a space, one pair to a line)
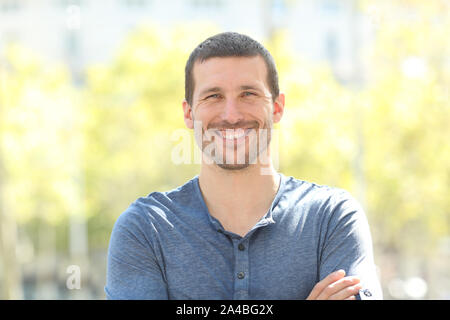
247, 87
209, 90
218, 89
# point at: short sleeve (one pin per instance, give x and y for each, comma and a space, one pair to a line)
133, 271
347, 244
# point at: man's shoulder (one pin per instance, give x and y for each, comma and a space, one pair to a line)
159, 205
315, 192
319, 199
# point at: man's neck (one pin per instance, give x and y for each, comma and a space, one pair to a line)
238, 198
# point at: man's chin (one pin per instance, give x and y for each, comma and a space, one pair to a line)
231, 167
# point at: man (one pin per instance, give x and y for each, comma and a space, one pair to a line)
240, 230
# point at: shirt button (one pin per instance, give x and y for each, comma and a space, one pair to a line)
241, 275
241, 247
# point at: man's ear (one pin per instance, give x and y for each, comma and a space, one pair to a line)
278, 108
187, 113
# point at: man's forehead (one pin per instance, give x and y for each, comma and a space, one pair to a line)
245, 70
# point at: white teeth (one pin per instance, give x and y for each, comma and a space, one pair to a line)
233, 134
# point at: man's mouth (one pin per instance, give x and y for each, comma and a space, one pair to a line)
233, 134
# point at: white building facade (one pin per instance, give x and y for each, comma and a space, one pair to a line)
82, 32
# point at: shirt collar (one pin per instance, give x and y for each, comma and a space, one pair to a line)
265, 220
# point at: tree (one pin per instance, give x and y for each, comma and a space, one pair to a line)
40, 144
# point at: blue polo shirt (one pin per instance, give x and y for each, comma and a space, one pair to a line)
168, 246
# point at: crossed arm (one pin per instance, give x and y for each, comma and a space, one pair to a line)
336, 287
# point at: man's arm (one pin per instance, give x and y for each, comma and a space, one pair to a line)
336, 287
346, 246
132, 268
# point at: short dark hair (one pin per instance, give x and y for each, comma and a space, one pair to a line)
230, 44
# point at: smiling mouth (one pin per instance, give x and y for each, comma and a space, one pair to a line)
233, 134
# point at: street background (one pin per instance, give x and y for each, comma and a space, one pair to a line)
91, 92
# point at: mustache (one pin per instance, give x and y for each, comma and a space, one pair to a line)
226, 125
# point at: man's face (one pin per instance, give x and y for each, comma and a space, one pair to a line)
232, 108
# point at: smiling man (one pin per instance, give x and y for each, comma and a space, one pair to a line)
240, 229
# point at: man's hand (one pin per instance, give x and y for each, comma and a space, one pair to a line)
336, 287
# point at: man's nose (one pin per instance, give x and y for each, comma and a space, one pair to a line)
231, 112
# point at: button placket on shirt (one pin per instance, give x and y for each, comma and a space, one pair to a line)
242, 276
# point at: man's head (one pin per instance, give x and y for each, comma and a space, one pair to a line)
232, 99
229, 44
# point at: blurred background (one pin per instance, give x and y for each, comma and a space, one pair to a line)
91, 94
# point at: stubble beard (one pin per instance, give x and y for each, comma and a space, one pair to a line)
240, 157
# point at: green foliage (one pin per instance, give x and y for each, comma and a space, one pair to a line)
39, 138
407, 130
395, 130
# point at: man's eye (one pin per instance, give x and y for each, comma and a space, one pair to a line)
213, 96
248, 94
